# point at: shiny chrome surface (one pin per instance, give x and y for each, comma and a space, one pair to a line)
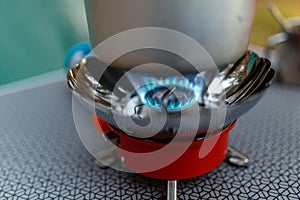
229, 82
223, 28
121, 103
255, 78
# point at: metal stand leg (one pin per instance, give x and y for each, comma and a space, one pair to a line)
237, 158
172, 190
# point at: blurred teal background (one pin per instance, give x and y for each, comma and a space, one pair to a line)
36, 35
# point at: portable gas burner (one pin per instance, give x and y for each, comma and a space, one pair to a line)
170, 123
171, 129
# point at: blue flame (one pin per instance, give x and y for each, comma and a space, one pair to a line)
185, 92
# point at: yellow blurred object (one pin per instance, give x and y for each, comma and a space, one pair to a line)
265, 24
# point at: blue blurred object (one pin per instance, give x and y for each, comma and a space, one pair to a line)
76, 54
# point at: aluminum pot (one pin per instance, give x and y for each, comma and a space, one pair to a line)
223, 28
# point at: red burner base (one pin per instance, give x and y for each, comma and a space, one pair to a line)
188, 165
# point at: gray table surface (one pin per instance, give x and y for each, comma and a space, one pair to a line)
41, 156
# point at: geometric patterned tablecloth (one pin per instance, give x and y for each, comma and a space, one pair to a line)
41, 156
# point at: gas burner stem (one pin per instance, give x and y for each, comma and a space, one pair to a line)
172, 190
